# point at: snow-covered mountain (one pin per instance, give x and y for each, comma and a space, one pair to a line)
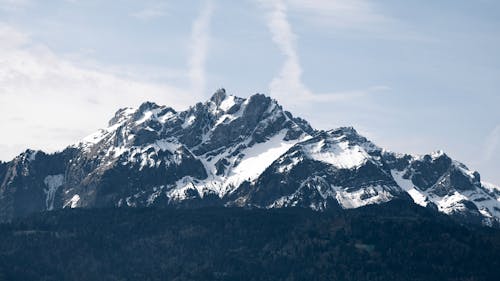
236, 152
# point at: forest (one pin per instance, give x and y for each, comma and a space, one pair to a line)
393, 241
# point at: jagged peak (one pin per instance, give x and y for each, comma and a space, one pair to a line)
147, 105
261, 97
261, 104
491, 186
120, 114
134, 114
345, 129
222, 100
438, 153
146, 135
433, 156
344, 135
28, 155
219, 96
150, 110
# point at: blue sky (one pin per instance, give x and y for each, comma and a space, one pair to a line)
413, 76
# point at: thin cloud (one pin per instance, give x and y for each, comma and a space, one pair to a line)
200, 40
152, 11
14, 5
81, 90
288, 84
44, 91
289, 80
345, 95
350, 14
492, 144
10, 38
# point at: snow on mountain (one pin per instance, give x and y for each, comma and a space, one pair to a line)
52, 182
235, 151
336, 168
417, 195
336, 152
448, 185
247, 166
492, 189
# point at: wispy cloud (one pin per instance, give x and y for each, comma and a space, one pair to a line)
350, 14
289, 80
62, 89
13, 5
288, 85
200, 40
152, 10
44, 91
492, 144
10, 38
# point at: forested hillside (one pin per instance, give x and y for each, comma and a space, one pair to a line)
393, 241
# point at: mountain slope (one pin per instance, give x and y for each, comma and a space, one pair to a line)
230, 151
335, 168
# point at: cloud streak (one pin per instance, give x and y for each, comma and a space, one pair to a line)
45, 92
13, 5
61, 90
288, 84
345, 14
492, 144
200, 40
152, 11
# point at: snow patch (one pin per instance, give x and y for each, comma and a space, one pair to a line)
418, 196
450, 203
73, 202
488, 205
145, 116
165, 117
181, 187
32, 156
258, 157
227, 103
53, 182
248, 164
363, 196
436, 154
166, 145
491, 187
148, 115
96, 137
149, 158
340, 154
156, 193
224, 119
288, 167
189, 121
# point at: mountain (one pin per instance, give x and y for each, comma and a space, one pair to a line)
230, 151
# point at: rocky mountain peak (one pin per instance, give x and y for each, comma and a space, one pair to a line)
219, 96
351, 137
147, 106
234, 151
121, 115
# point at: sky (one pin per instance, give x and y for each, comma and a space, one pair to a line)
413, 76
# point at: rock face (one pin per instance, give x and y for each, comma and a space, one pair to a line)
236, 152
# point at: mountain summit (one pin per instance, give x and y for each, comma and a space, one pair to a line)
231, 151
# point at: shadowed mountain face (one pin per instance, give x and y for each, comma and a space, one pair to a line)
231, 151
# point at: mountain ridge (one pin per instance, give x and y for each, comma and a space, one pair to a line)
231, 151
